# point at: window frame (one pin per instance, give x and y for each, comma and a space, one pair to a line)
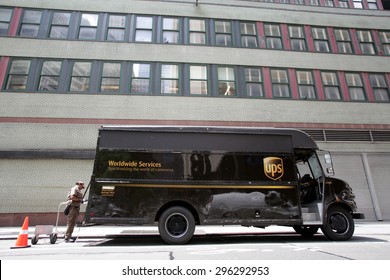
104, 77
341, 42
329, 86
199, 79
378, 87
353, 86
174, 78
245, 36
250, 82
176, 31
116, 28
280, 85
82, 77
271, 38
201, 32
87, 27
54, 25
363, 44
317, 39
384, 37
15, 75
293, 38
5, 22
139, 29
372, 5
226, 34
24, 23
49, 76
311, 83
224, 85
134, 78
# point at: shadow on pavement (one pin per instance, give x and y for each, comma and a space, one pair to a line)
154, 240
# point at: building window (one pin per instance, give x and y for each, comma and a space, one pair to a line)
144, 29
116, 28
358, 4
320, 38
18, 75
254, 82
169, 79
355, 86
80, 76
171, 30
306, 85
223, 33
226, 81
328, 3
197, 31
30, 23
111, 74
379, 86
198, 79
248, 35
88, 26
5, 19
366, 41
60, 25
280, 85
343, 3
372, 4
385, 40
343, 40
297, 38
50, 76
331, 86
273, 36
140, 78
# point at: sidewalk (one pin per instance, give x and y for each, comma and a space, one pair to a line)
102, 231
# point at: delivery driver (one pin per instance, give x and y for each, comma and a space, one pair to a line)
76, 196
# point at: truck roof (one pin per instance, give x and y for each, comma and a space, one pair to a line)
203, 138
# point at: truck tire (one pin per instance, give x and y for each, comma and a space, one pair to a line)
338, 224
306, 231
176, 225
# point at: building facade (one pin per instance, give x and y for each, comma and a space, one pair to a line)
68, 67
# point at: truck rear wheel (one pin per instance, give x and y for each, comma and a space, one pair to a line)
176, 225
338, 225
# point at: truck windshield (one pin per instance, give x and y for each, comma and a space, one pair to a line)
315, 166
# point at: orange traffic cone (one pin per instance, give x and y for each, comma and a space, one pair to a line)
22, 241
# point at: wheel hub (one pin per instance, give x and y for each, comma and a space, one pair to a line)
339, 223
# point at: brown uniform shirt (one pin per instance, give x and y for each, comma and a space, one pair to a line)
77, 193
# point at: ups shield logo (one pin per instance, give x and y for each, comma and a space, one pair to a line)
273, 167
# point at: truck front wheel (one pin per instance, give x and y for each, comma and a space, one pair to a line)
176, 225
338, 225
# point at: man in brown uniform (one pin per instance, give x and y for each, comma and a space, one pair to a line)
76, 199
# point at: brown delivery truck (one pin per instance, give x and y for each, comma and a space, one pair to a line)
181, 177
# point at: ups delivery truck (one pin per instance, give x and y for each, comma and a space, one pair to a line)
180, 177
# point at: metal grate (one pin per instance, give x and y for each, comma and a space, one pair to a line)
317, 135
349, 135
380, 135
